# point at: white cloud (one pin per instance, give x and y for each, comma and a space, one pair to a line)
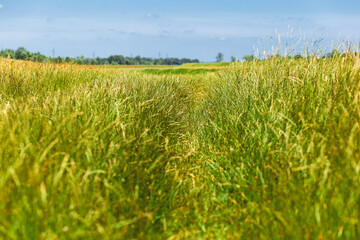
1, 6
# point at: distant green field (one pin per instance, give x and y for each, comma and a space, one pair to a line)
254, 150
218, 64
178, 71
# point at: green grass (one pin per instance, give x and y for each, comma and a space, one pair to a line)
261, 150
179, 71
217, 64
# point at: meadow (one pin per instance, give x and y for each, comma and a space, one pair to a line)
255, 150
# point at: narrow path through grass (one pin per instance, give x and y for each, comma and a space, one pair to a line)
258, 150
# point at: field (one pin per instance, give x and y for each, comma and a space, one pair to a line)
257, 150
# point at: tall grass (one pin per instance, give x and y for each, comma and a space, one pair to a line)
261, 150
281, 150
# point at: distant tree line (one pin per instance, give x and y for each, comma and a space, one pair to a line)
333, 54
248, 58
22, 54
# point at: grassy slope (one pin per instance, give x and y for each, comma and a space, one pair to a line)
263, 150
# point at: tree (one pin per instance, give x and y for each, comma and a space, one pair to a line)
219, 57
298, 56
249, 58
138, 60
59, 60
233, 59
7, 53
333, 54
21, 53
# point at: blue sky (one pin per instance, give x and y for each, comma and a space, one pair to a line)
195, 29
